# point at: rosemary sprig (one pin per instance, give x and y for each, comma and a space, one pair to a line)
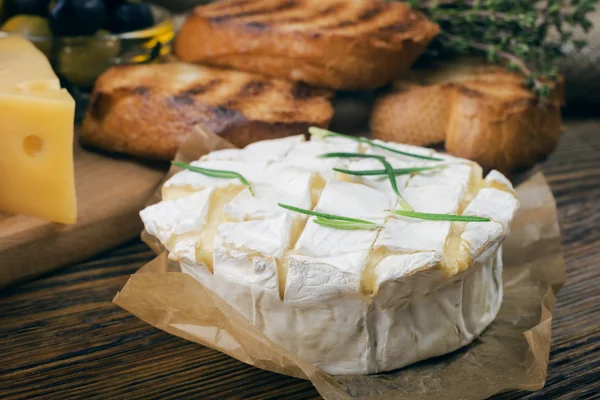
347, 225
332, 220
388, 169
397, 171
323, 133
215, 173
439, 217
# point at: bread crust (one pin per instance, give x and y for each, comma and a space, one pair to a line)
327, 43
148, 111
482, 112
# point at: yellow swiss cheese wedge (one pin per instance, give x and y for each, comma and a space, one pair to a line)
36, 135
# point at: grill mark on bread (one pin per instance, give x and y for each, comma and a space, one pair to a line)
140, 90
403, 26
202, 88
186, 97
367, 14
286, 5
302, 91
371, 12
253, 88
296, 19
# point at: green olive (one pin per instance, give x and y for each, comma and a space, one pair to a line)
32, 26
82, 62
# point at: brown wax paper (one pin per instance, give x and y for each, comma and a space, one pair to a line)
512, 353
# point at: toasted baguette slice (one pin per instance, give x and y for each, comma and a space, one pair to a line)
338, 44
149, 110
482, 112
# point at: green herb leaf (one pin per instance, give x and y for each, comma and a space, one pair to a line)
337, 224
332, 220
215, 173
388, 169
323, 133
439, 217
397, 171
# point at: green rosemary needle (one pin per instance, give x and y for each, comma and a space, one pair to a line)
323, 133
347, 225
332, 220
215, 173
439, 217
397, 171
388, 169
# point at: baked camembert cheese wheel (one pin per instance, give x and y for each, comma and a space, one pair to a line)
360, 256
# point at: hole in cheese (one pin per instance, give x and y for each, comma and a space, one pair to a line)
33, 145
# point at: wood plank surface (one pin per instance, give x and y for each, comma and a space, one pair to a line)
110, 193
61, 337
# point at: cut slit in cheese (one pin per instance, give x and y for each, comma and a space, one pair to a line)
205, 246
36, 136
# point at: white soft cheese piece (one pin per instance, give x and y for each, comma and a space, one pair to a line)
497, 205
379, 182
306, 155
311, 280
453, 175
271, 150
178, 223
269, 237
187, 182
434, 199
498, 181
401, 267
276, 186
264, 151
409, 235
350, 200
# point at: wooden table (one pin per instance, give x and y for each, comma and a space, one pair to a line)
61, 337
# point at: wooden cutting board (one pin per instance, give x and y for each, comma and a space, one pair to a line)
110, 193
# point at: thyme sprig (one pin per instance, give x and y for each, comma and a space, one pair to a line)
439, 217
528, 36
334, 221
388, 169
323, 133
215, 173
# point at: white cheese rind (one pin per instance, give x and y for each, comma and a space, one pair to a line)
349, 301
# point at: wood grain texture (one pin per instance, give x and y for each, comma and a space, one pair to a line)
61, 337
110, 193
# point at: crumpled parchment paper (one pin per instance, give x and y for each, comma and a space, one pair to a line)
511, 354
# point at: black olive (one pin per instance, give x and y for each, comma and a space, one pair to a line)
76, 17
29, 7
112, 4
130, 17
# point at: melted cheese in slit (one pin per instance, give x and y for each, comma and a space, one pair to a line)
205, 245
369, 278
456, 257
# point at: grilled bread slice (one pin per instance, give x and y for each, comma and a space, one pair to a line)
149, 110
338, 44
481, 112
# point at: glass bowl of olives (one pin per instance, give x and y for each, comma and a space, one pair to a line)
82, 38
